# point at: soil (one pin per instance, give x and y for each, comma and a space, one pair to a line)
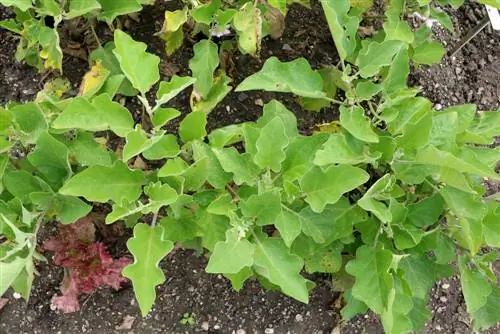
471, 76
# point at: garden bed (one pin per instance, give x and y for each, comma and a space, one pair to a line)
473, 76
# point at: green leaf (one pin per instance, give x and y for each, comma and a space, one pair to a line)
30, 120
51, 51
354, 121
365, 90
300, 155
488, 315
276, 109
227, 135
21, 184
247, 22
232, 255
295, 77
288, 224
169, 90
100, 183
112, 8
193, 126
491, 225
87, 151
265, 207
221, 87
205, 13
160, 195
335, 222
342, 26
165, 147
462, 204
50, 158
426, 212
428, 53
238, 280
373, 281
240, 165
148, 249
271, 145
217, 177
130, 54
342, 148
173, 167
378, 192
203, 65
81, 7
326, 186
101, 115
421, 274
23, 5
162, 116
274, 262
137, 142
395, 28
10, 271
475, 286
399, 70
373, 56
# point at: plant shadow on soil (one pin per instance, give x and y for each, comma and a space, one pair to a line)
468, 77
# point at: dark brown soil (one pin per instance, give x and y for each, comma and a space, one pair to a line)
216, 308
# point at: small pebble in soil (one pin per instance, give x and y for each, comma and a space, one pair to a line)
16, 295
269, 331
205, 326
299, 318
445, 286
217, 327
443, 299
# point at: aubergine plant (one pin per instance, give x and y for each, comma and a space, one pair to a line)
250, 21
39, 42
387, 201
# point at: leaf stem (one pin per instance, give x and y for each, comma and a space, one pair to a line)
155, 218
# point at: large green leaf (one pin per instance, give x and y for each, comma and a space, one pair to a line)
343, 148
112, 8
265, 207
475, 286
30, 120
326, 186
248, 23
300, 155
374, 55
240, 165
232, 255
271, 145
342, 26
81, 7
169, 90
140, 67
373, 199
354, 120
102, 114
148, 249
100, 183
23, 5
488, 315
274, 262
50, 158
193, 126
295, 77
10, 271
373, 281
203, 65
